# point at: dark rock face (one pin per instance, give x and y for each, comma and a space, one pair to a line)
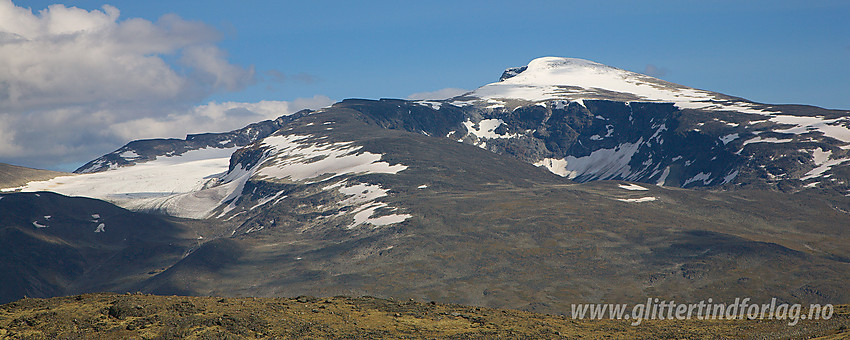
609, 140
512, 72
405, 115
647, 142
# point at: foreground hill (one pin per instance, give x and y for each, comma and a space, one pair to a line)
53, 245
15, 176
107, 316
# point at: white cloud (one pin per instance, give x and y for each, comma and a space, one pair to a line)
211, 68
438, 94
64, 56
214, 117
75, 84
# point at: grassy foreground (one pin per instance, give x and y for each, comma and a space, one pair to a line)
107, 315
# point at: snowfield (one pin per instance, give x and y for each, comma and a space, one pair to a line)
292, 157
197, 183
148, 185
600, 164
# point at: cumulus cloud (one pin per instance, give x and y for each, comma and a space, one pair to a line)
654, 71
75, 84
64, 56
438, 94
214, 117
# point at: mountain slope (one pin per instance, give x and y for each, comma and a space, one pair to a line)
15, 176
54, 245
488, 230
508, 196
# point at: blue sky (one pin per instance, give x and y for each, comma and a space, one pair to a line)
769, 51
309, 53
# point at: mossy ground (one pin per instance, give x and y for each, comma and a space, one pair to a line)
108, 316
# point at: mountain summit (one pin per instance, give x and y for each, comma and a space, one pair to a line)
557, 78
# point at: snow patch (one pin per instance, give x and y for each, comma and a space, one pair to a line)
276, 198
100, 228
823, 162
663, 179
362, 193
429, 103
729, 138
600, 164
758, 139
555, 166
129, 154
728, 178
657, 134
363, 197
835, 128
603, 163
702, 176
291, 157
632, 187
364, 215
462, 103
486, 129
638, 200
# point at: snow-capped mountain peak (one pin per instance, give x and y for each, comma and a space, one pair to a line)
555, 65
556, 71
558, 78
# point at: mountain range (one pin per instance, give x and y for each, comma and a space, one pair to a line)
565, 181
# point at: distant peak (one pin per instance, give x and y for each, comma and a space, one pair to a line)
553, 64
560, 69
559, 78
561, 62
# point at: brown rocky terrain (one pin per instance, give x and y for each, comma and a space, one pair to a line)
138, 316
15, 176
